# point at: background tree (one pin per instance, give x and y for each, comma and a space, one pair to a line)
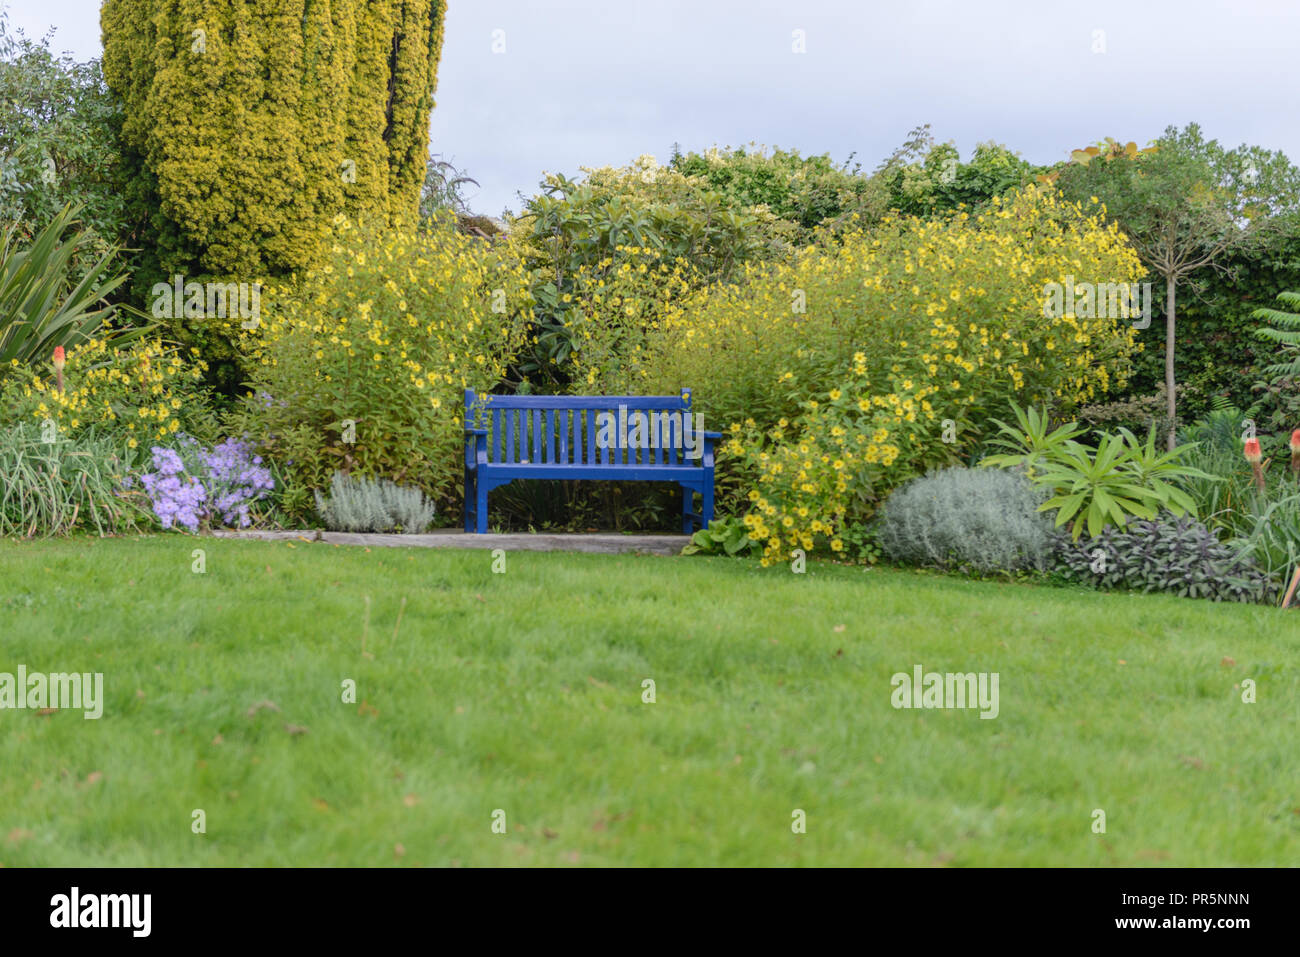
925, 178
1186, 206
58, 145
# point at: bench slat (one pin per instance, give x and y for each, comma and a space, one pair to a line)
631, 473
672, 403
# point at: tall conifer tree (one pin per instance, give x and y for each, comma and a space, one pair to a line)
250, 124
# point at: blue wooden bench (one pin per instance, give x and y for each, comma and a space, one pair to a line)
511, 437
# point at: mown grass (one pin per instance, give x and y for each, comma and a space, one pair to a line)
523, 692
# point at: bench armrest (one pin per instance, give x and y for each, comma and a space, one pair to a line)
475, 446
709, 439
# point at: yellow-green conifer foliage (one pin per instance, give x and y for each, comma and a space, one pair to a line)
255, 122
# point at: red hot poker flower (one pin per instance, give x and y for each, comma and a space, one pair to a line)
1252, 451
58, 368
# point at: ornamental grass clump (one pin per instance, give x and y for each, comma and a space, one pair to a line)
54, 484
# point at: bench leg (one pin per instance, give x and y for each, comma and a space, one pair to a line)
688, 510
471, 493
480, 507
706, 512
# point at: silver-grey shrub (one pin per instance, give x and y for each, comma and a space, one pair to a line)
368, 505
982, 519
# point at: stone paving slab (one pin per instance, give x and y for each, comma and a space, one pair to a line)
454, 538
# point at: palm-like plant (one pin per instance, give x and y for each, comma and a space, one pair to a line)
1029, 444
1159, 471
1094, 491
42, 304
1124, 478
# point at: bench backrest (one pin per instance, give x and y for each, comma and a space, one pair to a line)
587, 430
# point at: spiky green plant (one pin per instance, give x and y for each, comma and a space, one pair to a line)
42, 303
1029, 444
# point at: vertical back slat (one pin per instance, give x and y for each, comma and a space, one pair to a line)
495, 445
591, 436
564, 436
616, 441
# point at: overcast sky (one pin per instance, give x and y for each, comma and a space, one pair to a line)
596, 82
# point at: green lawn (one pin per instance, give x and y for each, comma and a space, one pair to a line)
523, 692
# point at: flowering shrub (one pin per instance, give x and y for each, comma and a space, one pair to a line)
363, 365
144, 390
176, 495
957, 304
612, 304
191, 486
865, 362
814, 477
235, 480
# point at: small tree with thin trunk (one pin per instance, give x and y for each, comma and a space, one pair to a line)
1186, 205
